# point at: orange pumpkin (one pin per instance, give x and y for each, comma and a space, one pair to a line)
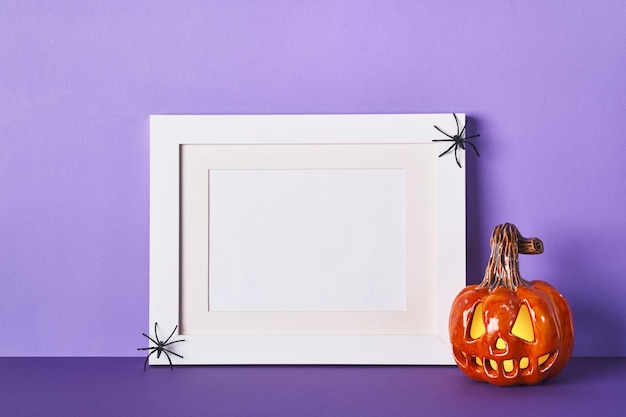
506, 330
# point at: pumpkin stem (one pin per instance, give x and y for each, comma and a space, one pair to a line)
503, 267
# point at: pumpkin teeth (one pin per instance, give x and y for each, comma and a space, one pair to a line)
508, 367
546, 361
491, 368
524, 362
460, 357
466, 361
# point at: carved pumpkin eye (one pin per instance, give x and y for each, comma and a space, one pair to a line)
523, 326
477, 327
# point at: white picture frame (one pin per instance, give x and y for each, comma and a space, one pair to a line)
185, 149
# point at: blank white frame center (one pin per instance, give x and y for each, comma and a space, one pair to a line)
313, 240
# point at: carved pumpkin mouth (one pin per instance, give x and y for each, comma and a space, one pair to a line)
507, 367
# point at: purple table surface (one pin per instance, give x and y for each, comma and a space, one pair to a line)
120, 387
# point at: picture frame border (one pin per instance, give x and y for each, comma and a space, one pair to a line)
169, 132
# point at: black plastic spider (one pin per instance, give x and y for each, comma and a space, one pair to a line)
459, 141
160, 346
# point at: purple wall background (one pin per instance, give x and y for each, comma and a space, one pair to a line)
544, 85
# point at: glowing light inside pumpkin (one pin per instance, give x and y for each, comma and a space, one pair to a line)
500, 344
477, 328
523, 326
508, 365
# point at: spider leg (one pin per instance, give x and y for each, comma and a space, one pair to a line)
173, 353
458, 132
148, 357
151, 339
175, 341
444, 140
448, 150
155, 332
451, 137
472, 137
169, 360
171, 334
474, 147
457, 158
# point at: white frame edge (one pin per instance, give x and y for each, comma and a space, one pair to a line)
168, 132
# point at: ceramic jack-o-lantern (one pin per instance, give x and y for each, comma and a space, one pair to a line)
506, 330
